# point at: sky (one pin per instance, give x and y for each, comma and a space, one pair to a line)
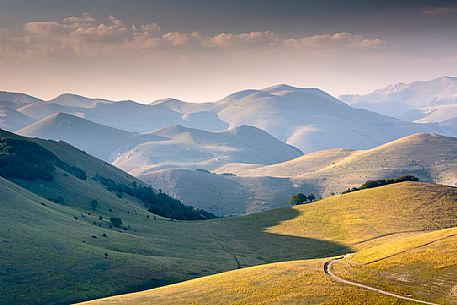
203, 50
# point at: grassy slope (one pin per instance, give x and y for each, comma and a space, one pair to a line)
305, 164
297, 282
423, 265
428, 157
50, 257
361, 220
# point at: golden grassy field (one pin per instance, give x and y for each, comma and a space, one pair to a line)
399, 236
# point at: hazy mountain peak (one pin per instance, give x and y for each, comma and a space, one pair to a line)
279, 87
168, 100
74, 100
247, 130
17, 100
402, 98
241, 94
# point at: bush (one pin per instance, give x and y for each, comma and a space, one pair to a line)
116, 222
94, 204
59, 200
299, 198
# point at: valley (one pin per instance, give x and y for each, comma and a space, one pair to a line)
102, 205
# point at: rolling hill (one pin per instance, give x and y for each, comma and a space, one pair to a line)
429, 157
307, 163
193, 148
238, 188
74, 253
408, 220
312, 120
100, 141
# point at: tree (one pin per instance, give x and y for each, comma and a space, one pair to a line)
311, 197
115, 221
94, 204
299, 198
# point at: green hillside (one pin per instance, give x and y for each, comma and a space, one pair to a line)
59, 172
57, 253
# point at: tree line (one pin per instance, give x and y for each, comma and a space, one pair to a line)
30, 161
381, 182
156, 202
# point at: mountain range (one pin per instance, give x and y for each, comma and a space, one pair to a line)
411, 101
307, 118
101, 198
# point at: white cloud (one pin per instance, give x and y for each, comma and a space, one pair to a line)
88, 36
252, 38
335, 40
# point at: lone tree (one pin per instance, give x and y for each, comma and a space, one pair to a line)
116, 222
299, 198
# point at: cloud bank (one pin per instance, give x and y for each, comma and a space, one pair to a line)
88, 36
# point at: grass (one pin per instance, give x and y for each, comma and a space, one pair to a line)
361, 221
423, 265
298, 282
49, 255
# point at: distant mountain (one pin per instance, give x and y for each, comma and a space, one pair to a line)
307, 118
73, 100
38, 111
312, 120
398, 99
17, 100
181, 106
193, 148
100, 141
127, 115
11, 119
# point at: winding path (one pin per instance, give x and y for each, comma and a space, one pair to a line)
328, 264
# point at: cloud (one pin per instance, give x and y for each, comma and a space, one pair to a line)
252, 38
433, 11
150, 27
88, 36
335, 40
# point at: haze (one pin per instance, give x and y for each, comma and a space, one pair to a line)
201, 50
